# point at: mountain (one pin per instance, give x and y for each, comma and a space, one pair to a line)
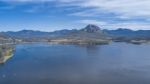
123, 34
37, 34
91, 29
27, 34
3, 36
91, 34
128, 33
5, 39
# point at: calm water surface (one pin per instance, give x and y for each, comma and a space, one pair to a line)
117, 63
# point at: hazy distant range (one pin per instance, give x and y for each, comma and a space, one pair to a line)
90, 31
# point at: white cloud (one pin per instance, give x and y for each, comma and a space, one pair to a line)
26, 0
123, 9
96, 22
83, 14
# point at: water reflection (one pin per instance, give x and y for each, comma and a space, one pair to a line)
117, 63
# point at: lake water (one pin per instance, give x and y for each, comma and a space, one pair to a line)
116, 63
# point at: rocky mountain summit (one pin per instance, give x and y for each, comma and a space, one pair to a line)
91, 28
91, 34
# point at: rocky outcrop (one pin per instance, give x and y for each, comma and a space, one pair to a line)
91, 28
91, 34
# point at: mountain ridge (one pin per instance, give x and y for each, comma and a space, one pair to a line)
89, 32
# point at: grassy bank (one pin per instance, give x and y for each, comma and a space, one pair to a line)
6, 52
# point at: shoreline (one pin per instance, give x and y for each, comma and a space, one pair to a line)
91, 42
6, 58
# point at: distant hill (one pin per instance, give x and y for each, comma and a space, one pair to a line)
128, 34
90, 32
5, 39
3, 36
37, 34
26, 34
91, 29
31, 33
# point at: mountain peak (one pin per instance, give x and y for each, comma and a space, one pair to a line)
91, 28
27, 31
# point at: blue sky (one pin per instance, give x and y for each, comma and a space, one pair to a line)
50, 15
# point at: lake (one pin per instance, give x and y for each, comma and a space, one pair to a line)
41, 63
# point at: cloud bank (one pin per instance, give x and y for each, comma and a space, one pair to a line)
134, 14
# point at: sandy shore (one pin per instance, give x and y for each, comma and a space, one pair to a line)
6, 58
